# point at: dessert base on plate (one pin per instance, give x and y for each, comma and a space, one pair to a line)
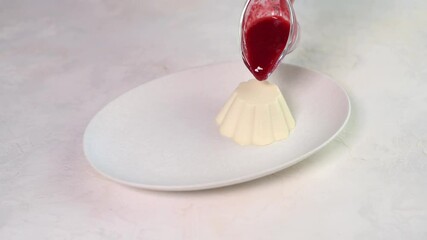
162, 135
256, 114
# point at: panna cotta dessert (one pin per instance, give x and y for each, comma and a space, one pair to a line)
256, 114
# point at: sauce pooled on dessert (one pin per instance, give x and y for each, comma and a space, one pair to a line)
265, 40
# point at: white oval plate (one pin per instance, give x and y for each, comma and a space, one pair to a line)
162, 135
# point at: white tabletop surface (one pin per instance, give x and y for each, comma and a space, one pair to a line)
61, 61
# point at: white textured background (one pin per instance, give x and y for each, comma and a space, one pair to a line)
61, 61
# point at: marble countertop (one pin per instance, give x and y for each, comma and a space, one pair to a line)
61, 61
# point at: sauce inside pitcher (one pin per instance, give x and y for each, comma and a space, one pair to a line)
265, 41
